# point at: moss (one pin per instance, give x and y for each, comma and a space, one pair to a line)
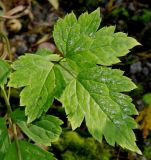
75, 147
147, 152
70, 140
68, 155
143, 16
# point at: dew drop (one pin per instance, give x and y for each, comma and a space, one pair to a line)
124, 116
117, 122
90, 34
103, 79
121, 96
71, 42
113, 112
126, 109
119, 101
113, 82
77, 49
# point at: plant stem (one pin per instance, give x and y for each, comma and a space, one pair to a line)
6, 100
16, 141
12, 124
9, 92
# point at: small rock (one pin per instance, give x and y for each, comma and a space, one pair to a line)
136, 67
148, 65
51, 18
20, 49
140, 104
13, 25
48, 45
30, 38
145, 70
131, 7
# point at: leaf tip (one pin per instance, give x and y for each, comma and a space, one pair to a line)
29, 120
139, 151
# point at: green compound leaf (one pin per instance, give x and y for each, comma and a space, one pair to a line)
96, 96
4, 139
43, 131
4, 72
28, 152
79, 40
89, 92
37, 77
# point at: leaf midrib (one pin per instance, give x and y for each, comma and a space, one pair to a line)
42, 85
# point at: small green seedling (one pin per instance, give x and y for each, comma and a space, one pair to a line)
80, 78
